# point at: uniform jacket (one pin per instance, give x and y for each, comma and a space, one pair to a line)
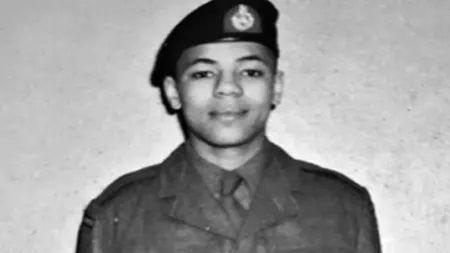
166, 208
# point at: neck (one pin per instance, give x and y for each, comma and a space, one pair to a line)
228, 157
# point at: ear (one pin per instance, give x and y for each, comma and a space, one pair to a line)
278, 88
171, 92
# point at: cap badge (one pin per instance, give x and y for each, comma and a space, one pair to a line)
242, 19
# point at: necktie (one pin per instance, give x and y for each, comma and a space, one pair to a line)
230, 182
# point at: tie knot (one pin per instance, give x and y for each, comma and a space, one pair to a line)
230, 181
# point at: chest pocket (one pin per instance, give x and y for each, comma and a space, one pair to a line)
292, 236
189, 239
320, 250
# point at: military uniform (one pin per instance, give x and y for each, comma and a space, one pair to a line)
180, 205
167, 208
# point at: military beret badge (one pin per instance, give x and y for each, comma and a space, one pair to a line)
242, 19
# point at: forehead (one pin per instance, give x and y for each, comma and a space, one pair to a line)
227, 52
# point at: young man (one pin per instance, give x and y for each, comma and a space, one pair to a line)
228, 188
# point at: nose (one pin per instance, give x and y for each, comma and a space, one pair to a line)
228, 85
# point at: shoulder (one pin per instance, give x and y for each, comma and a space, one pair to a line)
130, 183
126, 190
329, 189
317, 181
129, 189
134, 188
327, 178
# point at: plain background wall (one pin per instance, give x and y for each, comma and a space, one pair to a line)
367, 94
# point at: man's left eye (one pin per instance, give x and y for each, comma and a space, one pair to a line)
253, 73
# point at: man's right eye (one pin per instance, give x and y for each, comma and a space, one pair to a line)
201, 74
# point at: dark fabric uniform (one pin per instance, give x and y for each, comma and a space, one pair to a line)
166, 208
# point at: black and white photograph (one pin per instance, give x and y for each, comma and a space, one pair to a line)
225, 126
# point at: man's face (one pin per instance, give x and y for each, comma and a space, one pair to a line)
225, 91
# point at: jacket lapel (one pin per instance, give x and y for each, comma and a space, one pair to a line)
273, 201
193, 203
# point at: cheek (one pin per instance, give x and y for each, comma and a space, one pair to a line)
194, 97
260, 93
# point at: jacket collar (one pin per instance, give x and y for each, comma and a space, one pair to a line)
195, 205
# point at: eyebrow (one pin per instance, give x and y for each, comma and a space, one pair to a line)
252, 57
200, 60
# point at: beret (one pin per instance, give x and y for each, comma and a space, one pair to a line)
218, 20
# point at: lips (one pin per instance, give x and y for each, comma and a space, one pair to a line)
228, 115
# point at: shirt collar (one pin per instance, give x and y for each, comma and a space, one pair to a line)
212, 174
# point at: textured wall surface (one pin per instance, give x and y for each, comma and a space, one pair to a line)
367, 94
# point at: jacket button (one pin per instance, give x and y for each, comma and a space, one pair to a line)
227, 247
260, 249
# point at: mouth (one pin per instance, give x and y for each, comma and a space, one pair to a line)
228, 115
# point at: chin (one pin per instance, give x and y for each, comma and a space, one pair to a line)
229, 139
226, 142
